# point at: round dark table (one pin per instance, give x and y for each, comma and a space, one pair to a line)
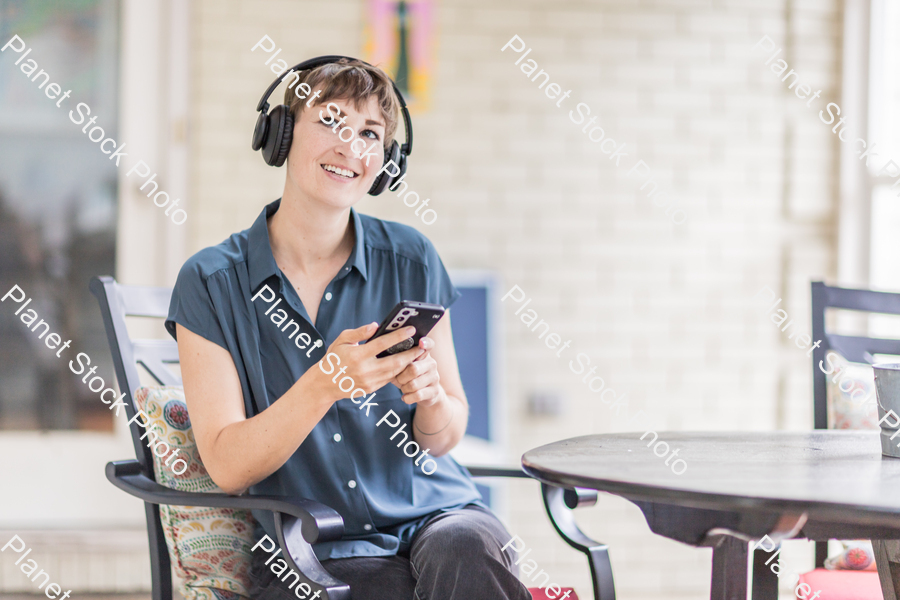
738, 487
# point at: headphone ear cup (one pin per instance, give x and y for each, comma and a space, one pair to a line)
400, 161
400, 175
287, 136
260, 131
383, 180
280, 134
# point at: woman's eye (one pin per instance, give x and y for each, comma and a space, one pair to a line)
373, 136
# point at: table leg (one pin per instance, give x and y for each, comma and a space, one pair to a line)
887, 557
729, 569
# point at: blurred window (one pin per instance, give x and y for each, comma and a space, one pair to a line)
884, 129
58, 204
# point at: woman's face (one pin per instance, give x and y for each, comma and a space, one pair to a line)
323, 162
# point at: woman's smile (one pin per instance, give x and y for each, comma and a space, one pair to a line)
338, 173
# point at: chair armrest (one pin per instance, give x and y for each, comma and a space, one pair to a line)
319, 523
579, 497
497, 472
559, 510
573, 497
559, 503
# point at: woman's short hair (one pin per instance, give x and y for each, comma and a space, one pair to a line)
346, 79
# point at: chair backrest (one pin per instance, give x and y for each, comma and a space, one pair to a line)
116, 303
853, 348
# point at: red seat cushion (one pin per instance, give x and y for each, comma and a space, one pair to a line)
843, 585
541, 594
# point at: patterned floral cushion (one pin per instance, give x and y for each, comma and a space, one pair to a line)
209, 547
851, 394
858, 555
851, 405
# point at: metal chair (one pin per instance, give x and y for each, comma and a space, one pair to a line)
299, 522
854, 348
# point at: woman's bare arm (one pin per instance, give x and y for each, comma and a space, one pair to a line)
239, 452
432, 381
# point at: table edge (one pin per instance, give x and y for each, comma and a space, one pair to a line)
633, 492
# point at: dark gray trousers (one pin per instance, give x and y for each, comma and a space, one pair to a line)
454, 556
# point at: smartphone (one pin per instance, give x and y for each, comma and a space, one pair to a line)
421, 315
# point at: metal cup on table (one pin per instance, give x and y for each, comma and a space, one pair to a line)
887, 393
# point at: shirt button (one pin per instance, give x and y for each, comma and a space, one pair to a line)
337, 437
351, 484
367, 527
328, 296
346, 268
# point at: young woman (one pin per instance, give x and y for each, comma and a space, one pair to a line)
311, 277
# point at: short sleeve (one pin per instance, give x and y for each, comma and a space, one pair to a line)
439, 288
193, 305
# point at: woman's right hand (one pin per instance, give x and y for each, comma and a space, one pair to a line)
358, 360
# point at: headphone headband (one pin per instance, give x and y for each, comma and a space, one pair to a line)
318, 61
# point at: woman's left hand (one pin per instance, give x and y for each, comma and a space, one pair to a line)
420, 382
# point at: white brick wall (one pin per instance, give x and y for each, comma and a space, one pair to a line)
664, 310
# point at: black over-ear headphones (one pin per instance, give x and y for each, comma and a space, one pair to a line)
274, 130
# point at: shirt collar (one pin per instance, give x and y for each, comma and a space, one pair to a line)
358, 256
261, 262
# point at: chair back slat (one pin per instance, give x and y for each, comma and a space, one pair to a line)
145, 301
861, 300
154, 356
861, 349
